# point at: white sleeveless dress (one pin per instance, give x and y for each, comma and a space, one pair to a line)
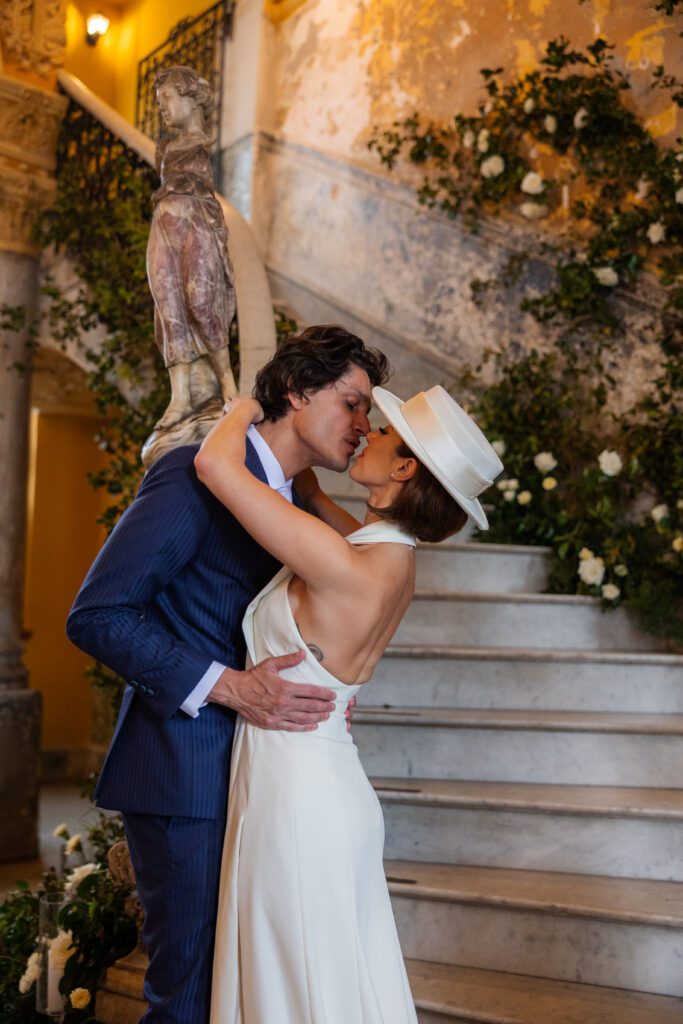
305, 931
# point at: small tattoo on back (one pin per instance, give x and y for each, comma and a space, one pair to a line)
313, 648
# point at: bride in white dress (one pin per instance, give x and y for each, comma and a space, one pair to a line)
305, 931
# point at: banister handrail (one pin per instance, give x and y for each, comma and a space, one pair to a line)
257, 338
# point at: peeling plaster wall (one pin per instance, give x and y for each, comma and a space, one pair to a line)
342, 240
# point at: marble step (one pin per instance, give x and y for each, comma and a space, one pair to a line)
624, 832
519, 620
562, 680
445, 994
482, 568
558, 747
619, 932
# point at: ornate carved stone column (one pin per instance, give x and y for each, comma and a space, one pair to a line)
29, 122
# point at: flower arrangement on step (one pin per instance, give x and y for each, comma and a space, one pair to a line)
605, 493
93, 931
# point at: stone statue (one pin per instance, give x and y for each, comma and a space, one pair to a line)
188, 265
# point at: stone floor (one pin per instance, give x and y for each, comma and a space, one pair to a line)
58, 803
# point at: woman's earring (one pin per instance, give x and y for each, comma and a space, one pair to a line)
393, 476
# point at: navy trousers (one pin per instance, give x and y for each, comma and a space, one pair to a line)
177, 868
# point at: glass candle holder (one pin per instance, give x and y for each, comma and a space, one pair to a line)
53, 946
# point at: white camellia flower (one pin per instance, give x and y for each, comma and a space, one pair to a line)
524, 497
468, 139
529, 105
679, 195
533, 211
656, 232
610, 591
642, 189
512, 484
532, 184
679, 504
79, 998
483, 140
585, 553
549, 483
592, 571
61, 831
499, 448
607, 276
31, 973
660, 512
508, 495
492, 166
61, 948
73, 844
610, 462
677, 543
545, 461
550, 124
580, 119
621, 569
78, 874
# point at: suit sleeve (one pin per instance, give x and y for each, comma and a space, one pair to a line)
158, 534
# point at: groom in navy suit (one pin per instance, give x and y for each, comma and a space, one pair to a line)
162, 606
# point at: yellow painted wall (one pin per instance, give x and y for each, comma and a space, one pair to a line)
110, 68
63, 538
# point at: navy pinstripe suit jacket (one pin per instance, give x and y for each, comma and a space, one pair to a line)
164, 598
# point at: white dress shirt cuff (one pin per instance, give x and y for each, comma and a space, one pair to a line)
197, 699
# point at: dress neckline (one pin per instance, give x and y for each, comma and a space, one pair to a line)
381, 532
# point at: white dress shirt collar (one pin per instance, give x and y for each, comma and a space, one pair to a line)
271, 467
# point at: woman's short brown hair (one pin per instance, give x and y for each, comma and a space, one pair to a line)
424, 507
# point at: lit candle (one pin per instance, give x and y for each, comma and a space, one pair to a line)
565, 197
55, 970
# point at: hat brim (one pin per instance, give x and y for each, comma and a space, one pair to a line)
390, 406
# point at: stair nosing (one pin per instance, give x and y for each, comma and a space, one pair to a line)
633, 723
536, 803
560, 654
440, 893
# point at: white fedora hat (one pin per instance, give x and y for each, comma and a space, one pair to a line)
450, 444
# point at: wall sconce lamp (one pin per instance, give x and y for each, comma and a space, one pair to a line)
96, 26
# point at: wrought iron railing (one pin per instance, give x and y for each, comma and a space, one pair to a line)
196, 43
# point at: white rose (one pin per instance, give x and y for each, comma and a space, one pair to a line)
483, 140
580, 119
679, 195
533, 211
610, 462
545, 461
585, 553
656, 232
679, 504
73, 844
492, 166
499, 448
528, 105
610, 592
508, 495
550, 124
78, 874
61, 831
513, 484
660, 512
607, 276
677, 543
592, 571
642, 189
621, 569
532, 184
468, 139
524, 497
550, 483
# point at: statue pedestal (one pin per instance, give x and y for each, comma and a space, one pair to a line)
120, 998
192, 430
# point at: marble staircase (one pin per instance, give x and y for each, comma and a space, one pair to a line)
527, 750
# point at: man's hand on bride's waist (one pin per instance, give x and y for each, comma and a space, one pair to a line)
265, 699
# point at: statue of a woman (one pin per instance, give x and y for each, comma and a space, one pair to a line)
188, 265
